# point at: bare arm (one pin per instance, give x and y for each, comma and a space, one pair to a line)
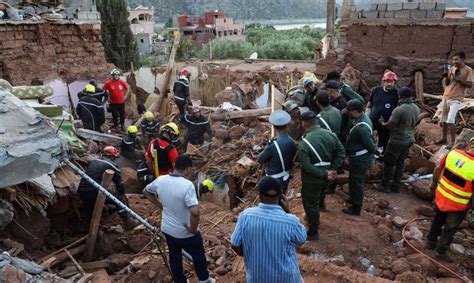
153, 198
194, 219
464, 83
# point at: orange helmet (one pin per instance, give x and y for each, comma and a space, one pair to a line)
111, 151
390, 76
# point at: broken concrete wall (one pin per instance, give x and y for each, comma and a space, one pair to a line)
29, 145
406, 46
45, 51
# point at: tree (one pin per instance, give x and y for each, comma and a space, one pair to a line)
117, 37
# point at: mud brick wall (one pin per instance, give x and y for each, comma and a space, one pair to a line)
43, 51
406, 47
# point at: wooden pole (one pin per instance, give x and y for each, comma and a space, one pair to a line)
419, 87
79, 268
96, 215
62, 249
156, 106
346, 9
241, 114
331, 17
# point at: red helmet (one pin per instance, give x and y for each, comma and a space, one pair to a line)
185, 72
111, 151
390, 76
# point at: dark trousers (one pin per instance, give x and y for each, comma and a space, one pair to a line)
193, 246
118, 113
383, 134
358, 167
394, 164
88, 202
181, 107
445, 225
311, 196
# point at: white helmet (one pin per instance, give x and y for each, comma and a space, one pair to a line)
115, 72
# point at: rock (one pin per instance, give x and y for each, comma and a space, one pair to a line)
221, 270
375, 171
384, 233
12, 275
36, 223
420, 263
414, 233
399, 222
421, 188
383, 203
222, 134
152, 274
400, 265
117, 229
426, 210
423, 171
117, 262
411, 277
130, 181
458, 249
388, 274
212, 239
236, 132
108, 243
140, 261
221, 261
219, 251
137, 242
6, 213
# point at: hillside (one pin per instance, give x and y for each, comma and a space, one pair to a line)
239, 9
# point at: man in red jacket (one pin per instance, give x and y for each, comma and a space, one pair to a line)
167, 152
117, 90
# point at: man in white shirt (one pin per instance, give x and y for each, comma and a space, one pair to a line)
175, 194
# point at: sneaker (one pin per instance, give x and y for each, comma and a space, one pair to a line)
351, 211
431, 245
443, 256
381, 188
210, 280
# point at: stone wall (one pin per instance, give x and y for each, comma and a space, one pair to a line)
62, 50
406, 46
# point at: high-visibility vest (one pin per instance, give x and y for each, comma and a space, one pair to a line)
454, 190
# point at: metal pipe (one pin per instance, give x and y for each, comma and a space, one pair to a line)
152, 229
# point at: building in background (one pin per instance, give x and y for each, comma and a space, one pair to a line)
143, 27
213, 25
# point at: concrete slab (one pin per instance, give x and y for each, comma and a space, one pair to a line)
30, 147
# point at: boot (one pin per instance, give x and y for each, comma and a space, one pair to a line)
431, 245
382, 188
129, 223
352, 210
209, 280
443, 256
312, 236
331, 189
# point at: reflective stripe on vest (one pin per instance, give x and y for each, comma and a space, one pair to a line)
454, 189
324, 122
321, 162
285, 174
361, 123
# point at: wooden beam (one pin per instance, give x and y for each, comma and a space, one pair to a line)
62, 256
241, 114
95, 265
419, 87
330, 16
346, 9
79, 268
96, 215
157, 106
427, 95
77, 242
96, 136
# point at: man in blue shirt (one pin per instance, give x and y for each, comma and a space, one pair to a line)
281, 150
266, 237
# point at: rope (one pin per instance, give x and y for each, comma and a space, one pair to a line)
427, 256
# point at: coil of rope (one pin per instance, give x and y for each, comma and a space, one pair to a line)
427, 256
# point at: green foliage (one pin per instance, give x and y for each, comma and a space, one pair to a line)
186, 49
117, 38
152, 60
295, 44
169, 23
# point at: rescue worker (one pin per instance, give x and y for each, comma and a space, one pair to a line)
167, 152
90, 110
310, 93
330, 119
88, 193
150, 127
402, 125
204, 187
117, 89
337, 100
321, 153
197, 125
360, 149
452, 178
131, 146
100, 94
294, 128
280, 151
382, 102
182, 97
344, 89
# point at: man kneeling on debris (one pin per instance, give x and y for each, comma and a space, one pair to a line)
176, 195
197, 125
453, 179
266, 237
281, 150
88, 193
90, 110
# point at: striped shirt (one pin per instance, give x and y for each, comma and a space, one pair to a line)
268, 237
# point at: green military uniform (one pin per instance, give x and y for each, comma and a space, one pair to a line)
330, 118
348, 93
404, 116
360, 148
329, 155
